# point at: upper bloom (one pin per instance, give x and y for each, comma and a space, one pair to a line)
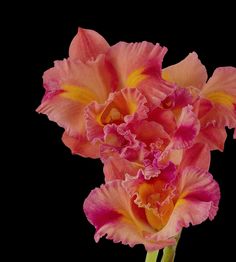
99, 85
152, 211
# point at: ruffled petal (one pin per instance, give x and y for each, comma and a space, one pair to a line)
198, 200
87, 45
139, 66
189, 72
187, 129
220, 90
81, 145
113, 213
124, 106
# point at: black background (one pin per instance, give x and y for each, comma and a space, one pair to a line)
59, 182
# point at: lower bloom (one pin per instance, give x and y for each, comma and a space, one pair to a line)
152, 211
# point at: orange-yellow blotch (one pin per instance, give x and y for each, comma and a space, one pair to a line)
77, 93
135, 78
221, 98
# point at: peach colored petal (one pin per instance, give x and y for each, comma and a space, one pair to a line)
124, 106
198, 199
220, 90
87, 45
149, 132
113, 214
81, 146
139, 66
66, 113
116, 167
212, 136
198, 155
188, 72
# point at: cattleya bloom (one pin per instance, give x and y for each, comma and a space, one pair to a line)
152, 211
152, 128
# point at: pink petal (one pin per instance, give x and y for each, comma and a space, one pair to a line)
188, 72
66, 113
87, 45
187, 129
112, 212
139, 66
124, 106
81, 146
69, 88
198, 155
116, 167
212, 136
198, 200
165, 118
220, 90
150, 132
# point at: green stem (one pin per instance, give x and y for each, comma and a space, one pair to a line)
169, 252
151, 256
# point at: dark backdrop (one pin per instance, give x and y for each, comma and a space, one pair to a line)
59, 182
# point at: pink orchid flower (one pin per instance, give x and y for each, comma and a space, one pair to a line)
99, 85
152, 211
215, 99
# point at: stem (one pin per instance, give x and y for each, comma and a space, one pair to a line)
151, 256
169, 252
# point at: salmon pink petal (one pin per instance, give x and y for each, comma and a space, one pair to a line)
198, 155
87, 45
166, 118
66, 113
139, 66
124, 106
80, 145
212, 136
198, 200
115, 167
188, 72
81, 82
113, 213
220, 90
150, 132
187, 129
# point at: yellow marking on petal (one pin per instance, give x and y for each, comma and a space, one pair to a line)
221, 98
165, 75
78, 93
135, 78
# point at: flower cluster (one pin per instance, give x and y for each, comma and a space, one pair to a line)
152, 128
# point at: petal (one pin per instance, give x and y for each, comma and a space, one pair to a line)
150, 132
187, 129
220, 90
188, 72
139, 66
165, 118
69, 88
124, 106
212, 136
66, 113
80, 145
87, 45
198, 155
199, 199
77, 81
113, 213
